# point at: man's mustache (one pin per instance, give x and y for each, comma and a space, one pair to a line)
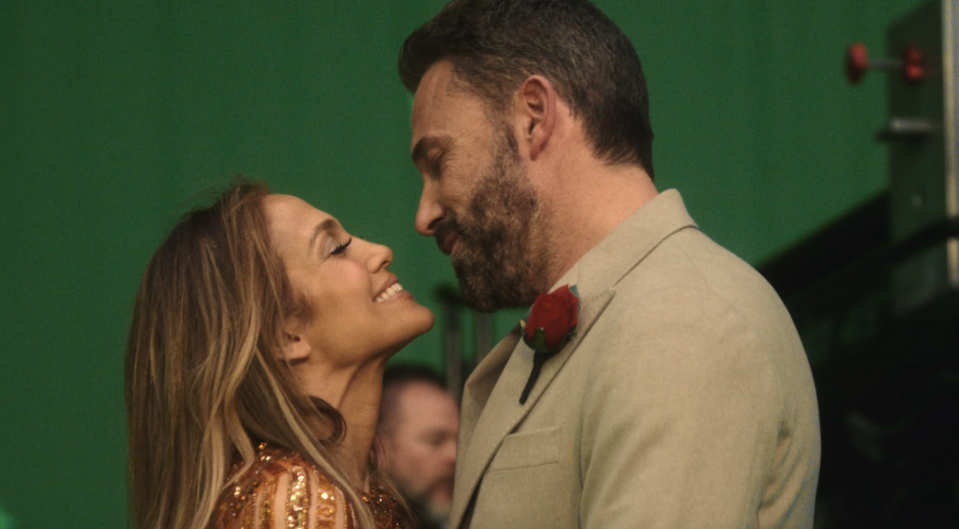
443, 230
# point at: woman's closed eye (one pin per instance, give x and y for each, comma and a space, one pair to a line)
340, 248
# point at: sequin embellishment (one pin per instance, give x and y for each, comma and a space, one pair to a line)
298, 500
309, 497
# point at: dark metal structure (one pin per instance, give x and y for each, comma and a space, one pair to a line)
875, 297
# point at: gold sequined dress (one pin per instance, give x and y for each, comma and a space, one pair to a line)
283, 490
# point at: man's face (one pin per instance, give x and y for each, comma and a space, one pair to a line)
420, 447
477, 200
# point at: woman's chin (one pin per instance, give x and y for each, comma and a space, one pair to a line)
429, 319
420, 325
422, 320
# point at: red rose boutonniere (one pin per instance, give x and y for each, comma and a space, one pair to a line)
550, 324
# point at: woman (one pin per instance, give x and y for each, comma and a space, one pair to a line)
254, 370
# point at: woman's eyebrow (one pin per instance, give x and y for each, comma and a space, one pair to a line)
327, 226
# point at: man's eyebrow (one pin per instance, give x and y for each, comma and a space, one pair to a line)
425, 144
327, 226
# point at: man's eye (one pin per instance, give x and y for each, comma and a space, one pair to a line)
437, 165
340, 248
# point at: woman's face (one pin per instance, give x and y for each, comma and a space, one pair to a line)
358, 309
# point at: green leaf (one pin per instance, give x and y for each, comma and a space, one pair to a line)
538, 343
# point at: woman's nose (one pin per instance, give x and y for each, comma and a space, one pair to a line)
379, 258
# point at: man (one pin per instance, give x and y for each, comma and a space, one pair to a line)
684, 399
417, 429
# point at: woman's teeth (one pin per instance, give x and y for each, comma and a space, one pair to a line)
388, 293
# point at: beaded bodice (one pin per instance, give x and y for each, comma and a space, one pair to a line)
283, 490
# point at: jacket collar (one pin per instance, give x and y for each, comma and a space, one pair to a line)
620, 251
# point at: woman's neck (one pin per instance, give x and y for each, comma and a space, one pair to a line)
355, 392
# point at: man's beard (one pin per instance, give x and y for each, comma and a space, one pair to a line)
501, 256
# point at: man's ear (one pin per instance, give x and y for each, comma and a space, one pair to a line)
536, 108
295, 347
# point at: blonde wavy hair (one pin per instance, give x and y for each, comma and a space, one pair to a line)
204, 381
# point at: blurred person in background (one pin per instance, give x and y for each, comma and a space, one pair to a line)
419, 421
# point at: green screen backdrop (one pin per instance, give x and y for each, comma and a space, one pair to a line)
117, 116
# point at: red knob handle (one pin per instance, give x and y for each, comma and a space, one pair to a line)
911, 65
913, 69
857, 62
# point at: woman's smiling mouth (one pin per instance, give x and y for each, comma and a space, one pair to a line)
393, 290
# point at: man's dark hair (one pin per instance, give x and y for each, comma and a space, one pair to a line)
494, 45
395, 379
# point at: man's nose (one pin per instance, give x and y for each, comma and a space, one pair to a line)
449, 452
429, 212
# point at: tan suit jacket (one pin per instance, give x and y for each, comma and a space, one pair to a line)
684, 400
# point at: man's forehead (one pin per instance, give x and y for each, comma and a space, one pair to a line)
444, 114
439, 78
432, 92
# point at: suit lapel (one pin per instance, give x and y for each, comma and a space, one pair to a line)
491, 400
480, 385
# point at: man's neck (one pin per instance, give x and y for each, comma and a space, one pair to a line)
586, 206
